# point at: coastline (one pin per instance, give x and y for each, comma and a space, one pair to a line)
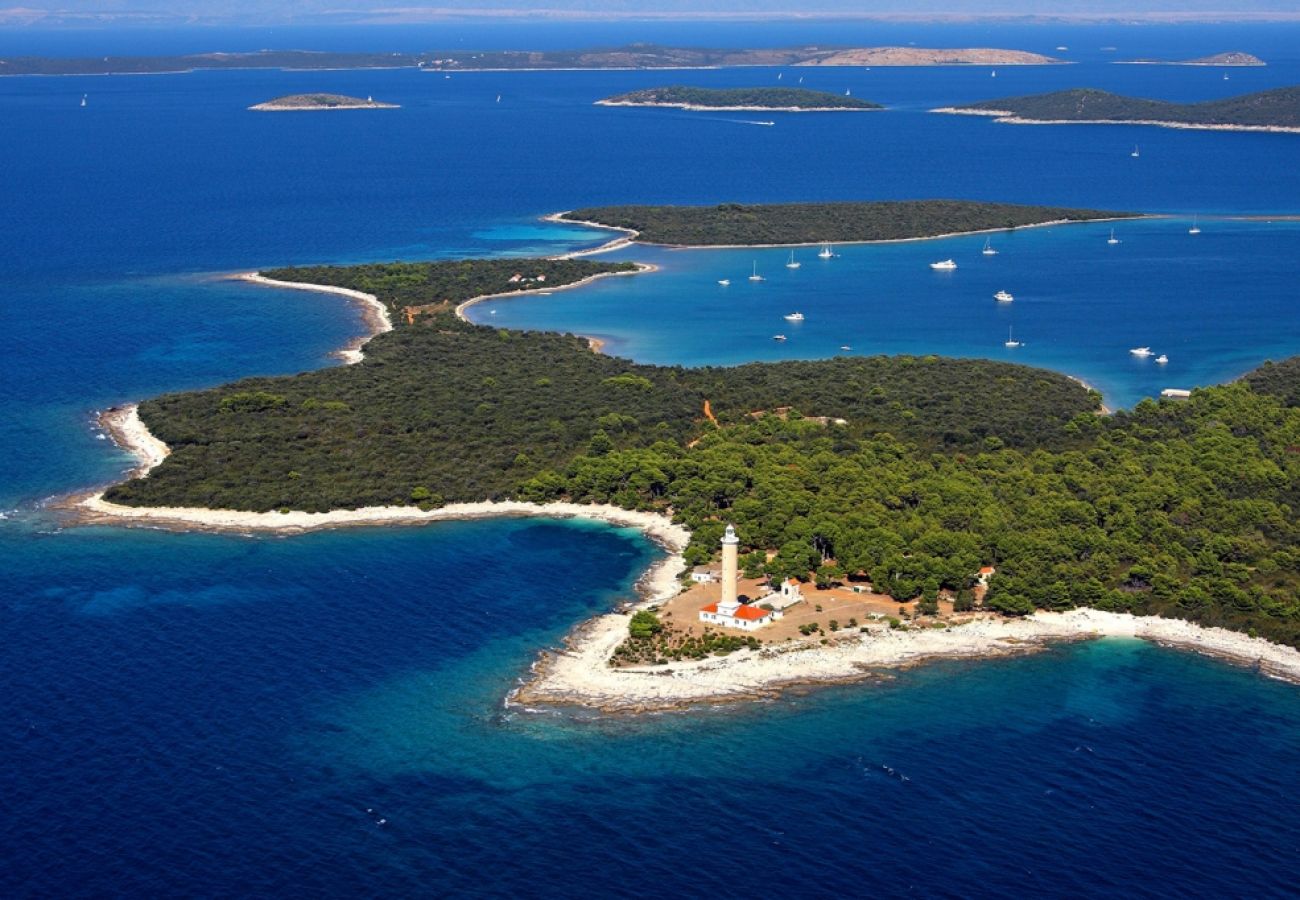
271, 107
1007, 117
696, 107
579, 676
596, 343
373, 312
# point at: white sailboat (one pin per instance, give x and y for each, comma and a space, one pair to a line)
83, 99
1112, 239
1196, 228
1011, 340
793, 264
755, 276
826, 252
1135, 153
988, 248
993, 74
848, 93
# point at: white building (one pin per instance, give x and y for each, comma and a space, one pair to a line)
704, 575
729, 612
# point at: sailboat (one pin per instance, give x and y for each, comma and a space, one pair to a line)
993, 74
1112, 239
848, 93
1010, 341
988, 248
1135, 153
779, 75
792, 264
498, 98
755, 276
83, 99
1196, 228
826, 252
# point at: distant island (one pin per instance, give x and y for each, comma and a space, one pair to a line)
632, 56
1273, 110
730, 224
740, 99
1232, 58
295, 102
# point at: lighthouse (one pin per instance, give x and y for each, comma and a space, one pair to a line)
730, 551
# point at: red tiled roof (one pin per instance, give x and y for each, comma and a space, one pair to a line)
751, 612
712, 607
987, 570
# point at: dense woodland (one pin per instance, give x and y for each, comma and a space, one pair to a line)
1279, 108
811, 223
942, 466
768, 98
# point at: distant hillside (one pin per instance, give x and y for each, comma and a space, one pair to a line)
811, 223
738, 98
1231, 58
1275, 109
631, 56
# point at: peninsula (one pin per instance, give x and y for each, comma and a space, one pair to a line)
297, 102
892, 509
732, 224
1231, 58
740, 99
632, 56
1272, 110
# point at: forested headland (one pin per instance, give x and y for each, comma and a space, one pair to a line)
737, 98
940, 466
1277, 108
811, 223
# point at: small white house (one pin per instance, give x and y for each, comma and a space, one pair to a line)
786, 597
704, 575
741, 615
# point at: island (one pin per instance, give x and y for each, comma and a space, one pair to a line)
1231, 58
787, 224
632, 56
1273, 110
822, 520
298, 102
740, 99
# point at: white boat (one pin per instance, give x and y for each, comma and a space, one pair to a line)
993, 74
1011, 340
848, 93
779, 75
498, 98
1062, 47
1196, 228
1135, 153
845, 347
826, 252
792, 264
943, 265
1142, 352
755, 276
988, 248
724, 281
1162, 359
83, 99
1112, 239
1225, 76
794, 317
778, 337
1003, 297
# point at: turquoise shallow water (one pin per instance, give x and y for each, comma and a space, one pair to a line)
219, 715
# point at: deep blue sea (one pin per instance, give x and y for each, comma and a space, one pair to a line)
209, 715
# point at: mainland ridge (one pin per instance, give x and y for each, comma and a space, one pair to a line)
1272, 110
884, 509
740, 99
632, 56
296, 102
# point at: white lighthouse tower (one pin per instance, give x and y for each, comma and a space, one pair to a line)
729, 602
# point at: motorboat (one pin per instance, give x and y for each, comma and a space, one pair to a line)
1003, 297
1142, 352
943, 265
794, 317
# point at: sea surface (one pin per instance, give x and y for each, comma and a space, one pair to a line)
187, 714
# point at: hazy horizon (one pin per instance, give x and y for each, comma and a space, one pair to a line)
90, 13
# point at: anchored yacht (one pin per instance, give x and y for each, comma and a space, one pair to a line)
945, 265
1142, 352
1003, 297
794, 317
